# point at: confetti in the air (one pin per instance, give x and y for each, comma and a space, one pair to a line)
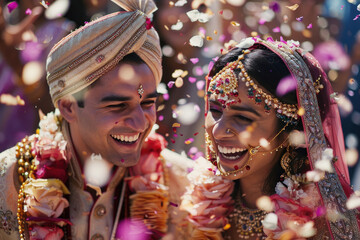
277, 29
194, 60
170, 84
309, 26
270, 221
180, 3
196, 41
189, 140
175, 125
236, 24
200, 85
11, 6
300, 19
195, 15
57, 9
265, 203
178, 26
10, 100
275, 6
28, 11
354, 201
192, 79
293, 7
286, 85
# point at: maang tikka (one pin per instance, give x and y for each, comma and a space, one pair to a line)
225, 83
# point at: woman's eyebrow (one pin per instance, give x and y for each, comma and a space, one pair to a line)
245, 108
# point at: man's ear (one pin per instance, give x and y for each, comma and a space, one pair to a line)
67, 107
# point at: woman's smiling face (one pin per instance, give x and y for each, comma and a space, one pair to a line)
236, 128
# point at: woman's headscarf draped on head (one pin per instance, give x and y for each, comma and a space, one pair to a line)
322, 129
94, 49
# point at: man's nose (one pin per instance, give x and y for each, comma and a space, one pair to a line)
136, 119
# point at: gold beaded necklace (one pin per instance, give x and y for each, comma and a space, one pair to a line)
26, 167
248, 221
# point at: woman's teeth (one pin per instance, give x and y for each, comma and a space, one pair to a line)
226, 150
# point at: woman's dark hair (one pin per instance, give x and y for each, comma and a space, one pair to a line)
267, 69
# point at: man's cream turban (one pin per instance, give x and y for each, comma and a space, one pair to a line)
94, 49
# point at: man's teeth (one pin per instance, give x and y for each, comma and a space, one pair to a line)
124, 138
226, 150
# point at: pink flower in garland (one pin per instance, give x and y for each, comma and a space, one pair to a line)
45, 232
208, 197
297, 206
148, 173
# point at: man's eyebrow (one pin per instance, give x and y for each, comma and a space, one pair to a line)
152, 95
114, 98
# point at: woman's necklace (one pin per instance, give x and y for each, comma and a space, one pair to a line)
248, 221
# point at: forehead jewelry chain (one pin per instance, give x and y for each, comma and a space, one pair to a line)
140, 90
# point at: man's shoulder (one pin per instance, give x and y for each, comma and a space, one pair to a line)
7, 160
8, 195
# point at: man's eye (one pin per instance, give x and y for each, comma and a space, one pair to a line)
148, 103
120, 105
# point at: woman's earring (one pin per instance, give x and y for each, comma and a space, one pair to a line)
290, 167
286, 160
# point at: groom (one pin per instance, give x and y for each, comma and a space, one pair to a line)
103, 79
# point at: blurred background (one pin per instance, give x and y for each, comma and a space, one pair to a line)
193, 33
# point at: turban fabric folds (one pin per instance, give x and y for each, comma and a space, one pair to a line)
94, 49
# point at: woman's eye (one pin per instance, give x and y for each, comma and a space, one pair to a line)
245, 119
215, 110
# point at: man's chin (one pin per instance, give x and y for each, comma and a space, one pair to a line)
127, 161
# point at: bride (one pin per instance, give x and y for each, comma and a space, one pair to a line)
276, 146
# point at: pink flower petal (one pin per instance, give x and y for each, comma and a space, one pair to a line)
200, 85
11, 6
192, 79
277, 29
286, 85
28, 11
171, 84
194, 60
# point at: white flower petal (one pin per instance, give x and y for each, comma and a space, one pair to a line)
270, 221
324, 165
246, 43
314, 176
353, 202
196, 41
193, 15
180, 3
178, 26
203, 17
265, 203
